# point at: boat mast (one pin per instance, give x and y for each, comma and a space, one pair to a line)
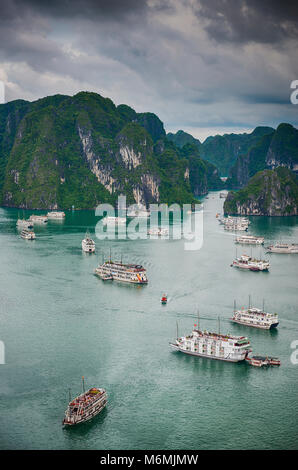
177, 329
263, 305
69, 395
249, 301
219, 325
83, 384
234, 306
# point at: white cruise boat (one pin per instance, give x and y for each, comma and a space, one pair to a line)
235, 227
131, 273
56, 215
138, 210
256, 318
252, 264
249, 240
158, 231
22, 223
235, 224
88, 244
109, 220
285, 248
213, 346
38, 219
85, 406
28, 234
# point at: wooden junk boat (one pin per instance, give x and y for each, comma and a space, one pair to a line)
85, 406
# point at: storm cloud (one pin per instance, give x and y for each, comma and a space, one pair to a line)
265, 21
203, 66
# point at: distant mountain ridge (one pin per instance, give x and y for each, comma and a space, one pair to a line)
222, 150
63, 151
279, 148
182, 138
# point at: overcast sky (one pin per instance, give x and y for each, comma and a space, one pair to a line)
205, 66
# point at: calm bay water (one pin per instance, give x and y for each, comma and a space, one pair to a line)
59, 322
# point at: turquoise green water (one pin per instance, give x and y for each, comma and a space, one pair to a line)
59, 322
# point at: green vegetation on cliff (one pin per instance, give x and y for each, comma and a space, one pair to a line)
61, 151
222, 150
182, 138
279, 148
268, 192
203, 176
284, 147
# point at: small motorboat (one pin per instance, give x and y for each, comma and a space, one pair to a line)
164, 299
261, 361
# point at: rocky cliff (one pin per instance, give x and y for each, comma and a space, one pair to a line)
203, 175
269, 192
279, 148
283, 149
64, 151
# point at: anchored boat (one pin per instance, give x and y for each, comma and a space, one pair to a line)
38, 219
249, 240
235, 224
158, 231
22, 223
88, 245
109, 220
28, 234
56, 215
164, 299
236, 227
115, 270
213, 345
285, 248
255, 317
252, 264
261, 361
138, 210
85, 406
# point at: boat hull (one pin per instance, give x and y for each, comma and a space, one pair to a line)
261, 327
249, 243
266, 362
283, 252
249, 268
88, 249
207, 356
114, 278
84, 419
85, 250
